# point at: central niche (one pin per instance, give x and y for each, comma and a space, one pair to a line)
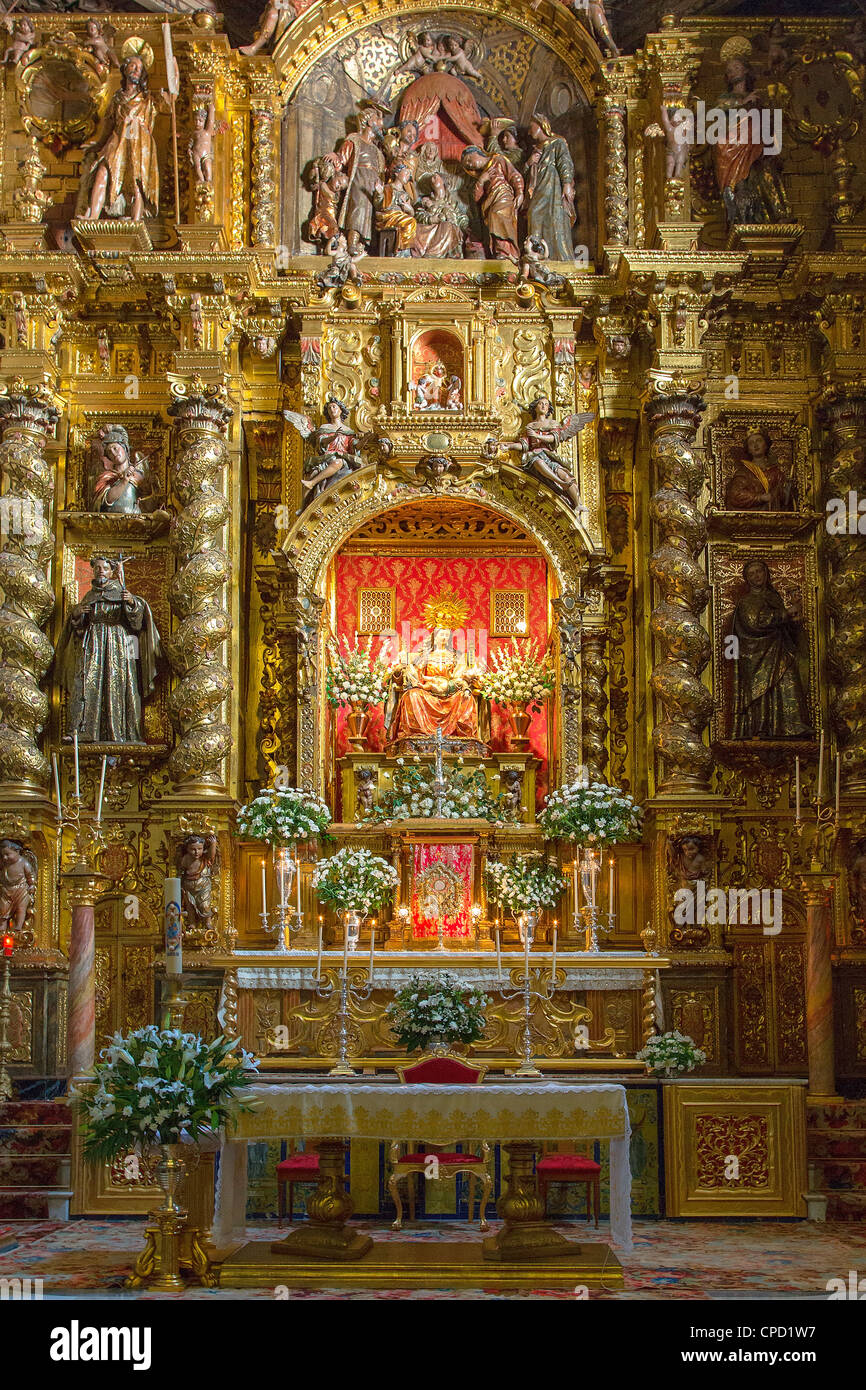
462, 84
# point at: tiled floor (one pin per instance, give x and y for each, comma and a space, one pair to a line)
682, 1260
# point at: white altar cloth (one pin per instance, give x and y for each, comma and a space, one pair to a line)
437, 1114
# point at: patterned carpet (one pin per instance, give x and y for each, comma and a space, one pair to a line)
697, 1260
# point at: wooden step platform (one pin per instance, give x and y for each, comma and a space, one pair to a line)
419, 1264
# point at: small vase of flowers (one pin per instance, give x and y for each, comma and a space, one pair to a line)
355, 880
587, 812
435, 1010
668, 1054
521, 678
358, 680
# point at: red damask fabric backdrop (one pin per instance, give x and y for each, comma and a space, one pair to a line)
417, 578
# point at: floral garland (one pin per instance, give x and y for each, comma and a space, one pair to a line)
355, 880
669, 1053
354, 677
526, 885
466, 796
590, 811
519, 675
151, 1087
284, 816
436, 1004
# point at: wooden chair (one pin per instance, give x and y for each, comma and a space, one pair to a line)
446, 1070
570, 1167
299, 1167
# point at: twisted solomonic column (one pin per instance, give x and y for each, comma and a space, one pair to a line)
27, 417
198, 590
684, 645
845, 415
593, 673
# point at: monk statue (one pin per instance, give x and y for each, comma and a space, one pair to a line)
436, 688
769, 694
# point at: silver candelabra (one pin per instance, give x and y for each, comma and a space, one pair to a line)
587, 871
356, 991
287, 919
532, 986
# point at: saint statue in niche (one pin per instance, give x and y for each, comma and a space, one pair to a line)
106, 659
769, 696
117, 478
437, 688
760, 481
124, 170
748, 177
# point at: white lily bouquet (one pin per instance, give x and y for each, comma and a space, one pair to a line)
666, 1054
354, 677
154, 1087
519, 675
466, 796
436, 1005
589, 813
525, 885
355, 880
284, 816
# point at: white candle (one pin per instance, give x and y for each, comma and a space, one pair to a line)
173, 926
553, 957
101, 791
525, 947
57, 786
372, 953
346, 945
610, 902
77, 769
264, 889
319, 955
838, 776
498, 956
574, 874
820, 768
298, 877
797, 785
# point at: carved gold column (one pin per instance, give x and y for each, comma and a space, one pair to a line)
27, 416
263, 147
198, 590
615, 169
683, 644
845, 414
83, 886
817, 887
594, 700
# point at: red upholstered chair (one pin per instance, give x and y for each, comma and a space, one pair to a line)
570, 1167
297, 1168
439, 1071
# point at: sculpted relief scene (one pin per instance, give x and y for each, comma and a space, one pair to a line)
432, 618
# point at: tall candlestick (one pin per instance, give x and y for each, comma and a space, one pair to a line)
610, 863
101, 791
77, 768
264, 889
298, 877
372, 953
797, 786
838, 777
173, 926
820, 768
498, 954
319, 953
553, 957
57, 786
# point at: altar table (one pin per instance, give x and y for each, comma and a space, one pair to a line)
435, 1114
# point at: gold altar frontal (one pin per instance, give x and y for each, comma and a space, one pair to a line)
419, 1264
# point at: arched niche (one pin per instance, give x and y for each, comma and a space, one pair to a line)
523, 59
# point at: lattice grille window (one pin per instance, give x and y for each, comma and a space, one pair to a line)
375, 610
509, 613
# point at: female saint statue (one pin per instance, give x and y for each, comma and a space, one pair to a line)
769, 698
550, 190
436, 688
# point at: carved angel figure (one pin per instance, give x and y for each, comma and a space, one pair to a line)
676, 150
535, 252
98, 41
24, 37
199, 146
17, 883
196, 858
335, 453
538, 445
267, 26
343, 265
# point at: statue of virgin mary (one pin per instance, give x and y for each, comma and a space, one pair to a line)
437, 688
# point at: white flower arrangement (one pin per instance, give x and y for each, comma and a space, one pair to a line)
666, 1054
284, 816
355, 880
153, 1086
519, 675
589, 813
436, 1004
526, 885
354, 677
466, 796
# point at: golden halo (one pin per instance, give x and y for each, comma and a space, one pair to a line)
736, 47
447, 609
136, 47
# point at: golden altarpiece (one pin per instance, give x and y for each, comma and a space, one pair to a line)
338, 444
